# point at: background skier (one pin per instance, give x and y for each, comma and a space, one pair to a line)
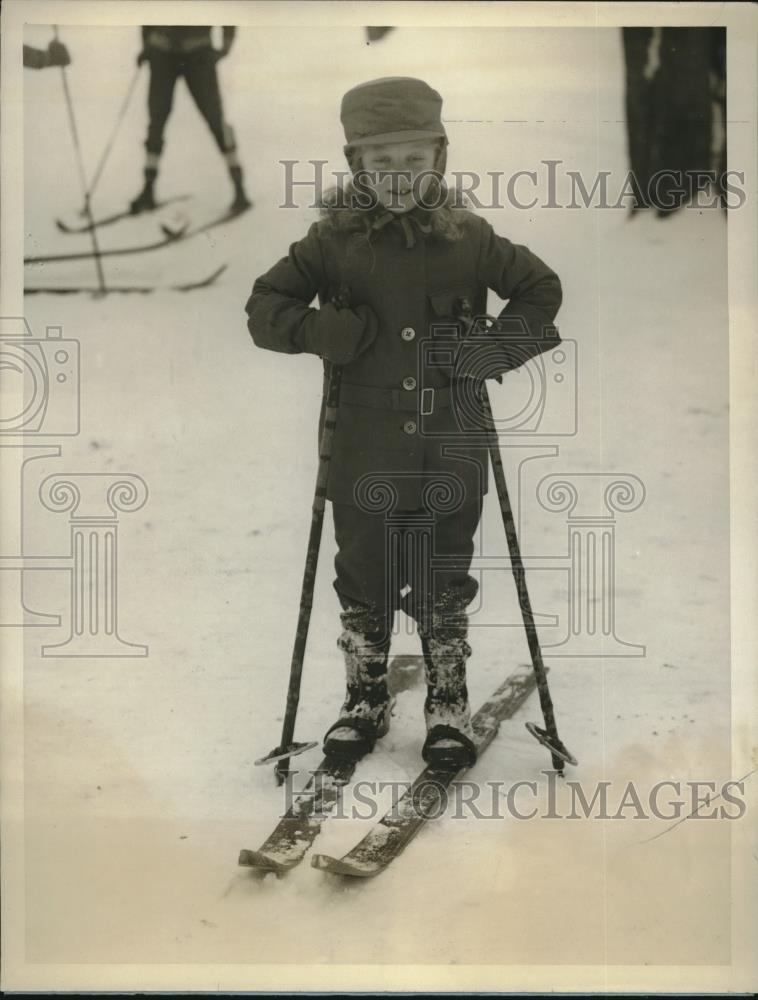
676, 112
174, 52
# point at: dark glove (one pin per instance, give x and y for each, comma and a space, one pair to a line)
478, 357
144, 56
219, 54
57, 54
341, 335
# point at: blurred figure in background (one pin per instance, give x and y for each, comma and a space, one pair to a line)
673, 80
188, 52
718, 101
375, 34
56, 54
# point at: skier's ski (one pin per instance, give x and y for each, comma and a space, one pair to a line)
298, 828
108, 220
125, 289
170, 237
219, 220
389, 837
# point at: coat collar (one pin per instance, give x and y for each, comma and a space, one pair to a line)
408, 221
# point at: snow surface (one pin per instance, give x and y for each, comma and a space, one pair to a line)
140, 785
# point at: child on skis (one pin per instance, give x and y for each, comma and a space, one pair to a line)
392, 259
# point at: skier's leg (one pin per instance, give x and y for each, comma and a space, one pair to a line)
637, 42
366, 631
442, 620
163, 74
202, 81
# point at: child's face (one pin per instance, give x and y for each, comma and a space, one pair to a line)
399, 173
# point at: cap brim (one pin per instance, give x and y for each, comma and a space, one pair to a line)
388, 137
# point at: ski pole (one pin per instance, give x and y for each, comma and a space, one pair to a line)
109, 144
82, 176
549, 735
287, 748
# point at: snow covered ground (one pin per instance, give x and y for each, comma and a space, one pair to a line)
140, 785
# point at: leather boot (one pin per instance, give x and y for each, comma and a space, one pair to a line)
365, 714
241, 201
449, 742
145, 200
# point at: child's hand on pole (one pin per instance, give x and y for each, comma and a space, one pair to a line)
57, 54
341, 335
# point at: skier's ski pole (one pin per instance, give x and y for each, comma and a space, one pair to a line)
549, 735
82, 176
109, 144
287, 748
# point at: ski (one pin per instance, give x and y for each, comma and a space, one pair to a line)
126, 289
392, 834
298, 828
109, 220
219, 220
169, 238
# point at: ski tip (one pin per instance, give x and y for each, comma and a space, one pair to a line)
261, 862
192, 286
293, 749
174, 234
339, 866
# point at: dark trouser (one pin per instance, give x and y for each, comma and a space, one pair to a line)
641, 112
417, 561
669, 117
379, 557
199, 70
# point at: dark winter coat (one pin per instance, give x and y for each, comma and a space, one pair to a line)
407, 296
182, 40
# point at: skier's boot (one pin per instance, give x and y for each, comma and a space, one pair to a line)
449, 741
145, 200
241, 201
365, 714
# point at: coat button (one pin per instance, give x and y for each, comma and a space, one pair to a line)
409, 382
409, 426
407, 333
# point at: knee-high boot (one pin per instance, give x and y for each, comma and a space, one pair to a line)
449, 741
365, 713
145, 200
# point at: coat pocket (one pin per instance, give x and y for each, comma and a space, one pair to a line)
448, 302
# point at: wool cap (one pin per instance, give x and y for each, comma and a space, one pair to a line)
391, 109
